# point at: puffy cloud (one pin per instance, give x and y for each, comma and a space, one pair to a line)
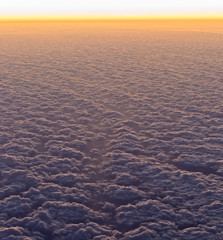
119, 194
121, 143
149, 211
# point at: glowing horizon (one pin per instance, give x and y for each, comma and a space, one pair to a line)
110, 18
115, 9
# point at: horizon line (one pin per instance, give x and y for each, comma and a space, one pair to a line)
71, 18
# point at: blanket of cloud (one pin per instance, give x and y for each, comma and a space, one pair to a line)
110, 133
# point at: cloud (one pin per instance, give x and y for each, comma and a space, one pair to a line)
110, 136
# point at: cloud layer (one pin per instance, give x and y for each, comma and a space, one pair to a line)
111, 135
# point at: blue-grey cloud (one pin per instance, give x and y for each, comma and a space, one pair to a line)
110, 136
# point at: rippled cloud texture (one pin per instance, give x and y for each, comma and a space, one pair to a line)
110, 132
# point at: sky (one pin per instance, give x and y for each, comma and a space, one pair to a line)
11, 8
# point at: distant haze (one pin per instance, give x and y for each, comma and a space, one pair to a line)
12, 8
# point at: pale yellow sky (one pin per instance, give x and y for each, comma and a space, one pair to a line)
12, 8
